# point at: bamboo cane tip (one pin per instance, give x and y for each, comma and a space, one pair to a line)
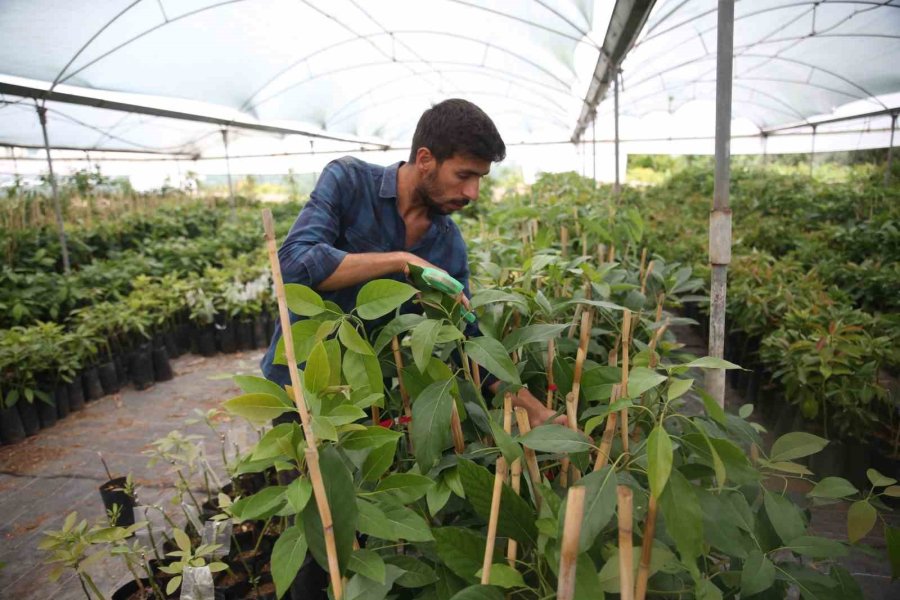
624, 493
268, 223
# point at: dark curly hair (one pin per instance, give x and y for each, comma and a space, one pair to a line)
457, 126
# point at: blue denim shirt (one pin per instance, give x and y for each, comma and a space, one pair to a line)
353, 209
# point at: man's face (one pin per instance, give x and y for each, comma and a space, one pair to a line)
449, 186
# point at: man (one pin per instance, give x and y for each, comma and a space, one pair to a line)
364, 222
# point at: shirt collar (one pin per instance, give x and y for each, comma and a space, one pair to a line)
389, 181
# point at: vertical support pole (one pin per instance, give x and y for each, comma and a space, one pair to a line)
765, 140
57, 209
228, 172
594, 148
617, 188
720, 216
890, 157
583, 159
812, 152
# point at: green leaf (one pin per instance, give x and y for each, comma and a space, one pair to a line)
287, 557
461, 550
392, 522
796, 445
892, 491
745, 411
879, 480
504, 576
641, 379
556, 438
709, 362
250, 384
479, 592
367, 563
892, 540
382, 296
785, 516
531, 334
259, 409
678, 388
490, 354
860, 520
712, 407
833, 487
817, 547
422, 340
182, 540
516, 516
599, 414
758, 574
683, 518
378, 461
298, 493
318, 370
659, 460
351, 339
260, 505
341, 495
485, 297
372, 437
599, 506
721, 524
398, 325
343, 414
430, 428
361, 587
418, 574
405, 487
302, 300
324, 429
508, 447
173, 585
707, 590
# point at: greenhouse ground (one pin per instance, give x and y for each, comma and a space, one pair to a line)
58, 471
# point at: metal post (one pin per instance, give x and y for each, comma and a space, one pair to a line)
42, 117
812, 152
765, 137
890, 158
228, 171
594, 148
720, 216
583, 159
618, 186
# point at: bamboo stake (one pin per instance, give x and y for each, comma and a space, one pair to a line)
626, 544
640, 591
643, 263
614, 352
534, 473
608, 433
626, 344
569, 549
515, 476
564, 240
312, 452
404, 395
654, 358
660, 301
612, 253
476, 376
499, 476
584, 245
572, 397
645, 277
459, 441
601, 253
551, 385
576, 220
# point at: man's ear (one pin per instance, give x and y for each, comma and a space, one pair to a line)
424, 160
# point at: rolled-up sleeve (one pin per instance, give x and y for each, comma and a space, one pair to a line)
308, 255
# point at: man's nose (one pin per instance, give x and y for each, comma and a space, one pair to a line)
470, 190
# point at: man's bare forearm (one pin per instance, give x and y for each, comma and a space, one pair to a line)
357, 268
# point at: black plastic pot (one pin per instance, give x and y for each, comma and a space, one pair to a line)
112, 492
270, 327
184, 337
170, 341
61, 396
260, 339
244, 335
858, 460
47, 412
311, 582
128, 591
93, 389
29, 415
226, 339
141, 367
121, 369
206, 341
76, 393
11, 428
109, 380
162, 370
830, 461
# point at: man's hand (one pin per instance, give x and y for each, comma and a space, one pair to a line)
409, 257
538, 414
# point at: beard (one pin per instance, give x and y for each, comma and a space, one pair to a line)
430, 192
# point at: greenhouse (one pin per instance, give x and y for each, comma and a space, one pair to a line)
449, 299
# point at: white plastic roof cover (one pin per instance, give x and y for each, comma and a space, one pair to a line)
368, 68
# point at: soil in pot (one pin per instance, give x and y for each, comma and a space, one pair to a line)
61, 396
76, 393
109, 380
141, 368
93, 389
11, 429
113, 492
226, 338
132, 591
206, 341
233, 583
29, 415
162, 370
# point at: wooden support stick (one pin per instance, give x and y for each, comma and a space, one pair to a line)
312, 452
660, 301
499, 476
608, 433
551, 385
569, 548
581, 354
646, 277
654, 342
459, 441
640, 591
626, 544
476, 376
643, 263
564, 240
534, 473
601, 253
515, 476
612, 253
614, 352
404, 395
626, 344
